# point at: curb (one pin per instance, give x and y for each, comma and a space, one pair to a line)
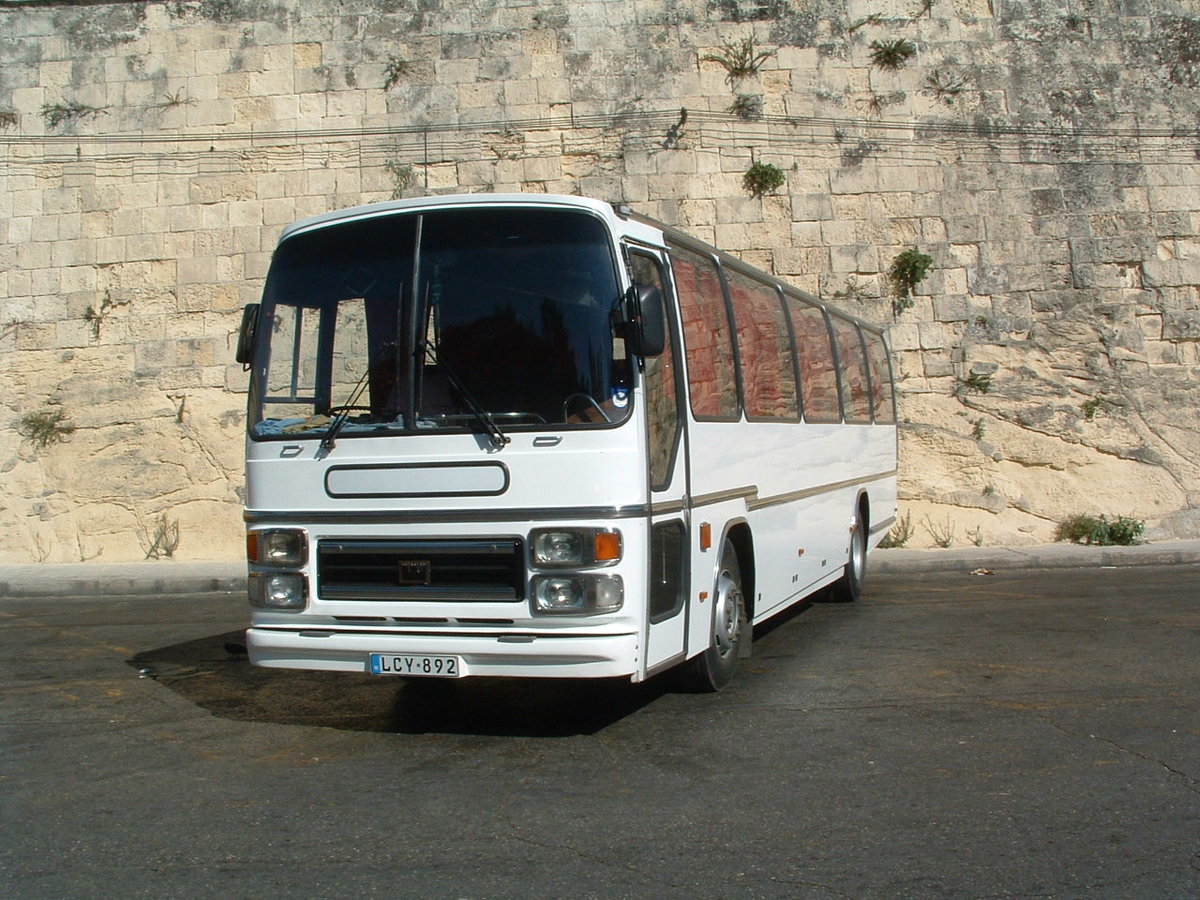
1049, 556
169, 578
90, 580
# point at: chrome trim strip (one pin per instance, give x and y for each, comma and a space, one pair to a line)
721, 496
406, 516
759, 503
753, 501
885, 525
669, 662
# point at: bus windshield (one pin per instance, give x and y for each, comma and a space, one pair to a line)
470, 319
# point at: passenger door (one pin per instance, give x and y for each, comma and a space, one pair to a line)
666, 618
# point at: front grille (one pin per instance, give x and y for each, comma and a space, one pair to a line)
472, 570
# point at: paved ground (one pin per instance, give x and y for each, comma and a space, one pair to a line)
1031, 733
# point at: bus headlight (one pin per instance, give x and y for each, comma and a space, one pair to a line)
553, 547
286, 548
577, 594
277, 590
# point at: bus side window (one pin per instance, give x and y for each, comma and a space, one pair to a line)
856, 394
818, 374
706, 335
764, 345
882, 399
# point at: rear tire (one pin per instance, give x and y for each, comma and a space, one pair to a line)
714, 668
848, 588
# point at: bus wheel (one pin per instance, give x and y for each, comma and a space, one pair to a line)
849, 587
713, 669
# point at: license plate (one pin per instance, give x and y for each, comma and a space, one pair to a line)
416, 665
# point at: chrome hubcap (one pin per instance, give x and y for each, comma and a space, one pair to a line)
728, 613
858, 554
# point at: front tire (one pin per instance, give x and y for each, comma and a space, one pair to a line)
714, 668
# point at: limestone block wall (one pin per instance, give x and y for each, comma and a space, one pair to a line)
1044, 154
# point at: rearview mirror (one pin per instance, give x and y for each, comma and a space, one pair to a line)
647, 321
248, 334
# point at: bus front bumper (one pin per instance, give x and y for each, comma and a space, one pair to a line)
529, 656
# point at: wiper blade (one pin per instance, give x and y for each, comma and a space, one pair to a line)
342, 413
497, 437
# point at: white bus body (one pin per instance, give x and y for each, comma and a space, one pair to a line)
518, 435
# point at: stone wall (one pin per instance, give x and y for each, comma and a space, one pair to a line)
1044, 154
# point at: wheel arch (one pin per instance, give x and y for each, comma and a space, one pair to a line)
862, 513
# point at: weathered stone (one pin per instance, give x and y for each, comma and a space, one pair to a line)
1067, 264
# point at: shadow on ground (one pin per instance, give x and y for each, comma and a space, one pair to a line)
215, 674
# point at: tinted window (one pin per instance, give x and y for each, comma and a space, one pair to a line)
882, 399
711, 379
818, 374
764, 348
662, 402
852, 367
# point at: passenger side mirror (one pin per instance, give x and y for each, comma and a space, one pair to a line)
248, 334
647, 319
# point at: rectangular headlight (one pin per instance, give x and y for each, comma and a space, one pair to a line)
577, 594
277, 590
285, 548
554, 547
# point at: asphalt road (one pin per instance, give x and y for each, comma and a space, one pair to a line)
1025, 734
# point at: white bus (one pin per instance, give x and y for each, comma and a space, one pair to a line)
530, 435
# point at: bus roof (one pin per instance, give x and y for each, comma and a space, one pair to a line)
620, 217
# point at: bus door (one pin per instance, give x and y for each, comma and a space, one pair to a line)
666, 616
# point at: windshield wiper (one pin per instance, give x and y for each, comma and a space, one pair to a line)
497, 437
342, 413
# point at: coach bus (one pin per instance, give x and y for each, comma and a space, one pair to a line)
531, 435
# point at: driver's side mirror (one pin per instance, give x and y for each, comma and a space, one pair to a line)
647, 319
248, 334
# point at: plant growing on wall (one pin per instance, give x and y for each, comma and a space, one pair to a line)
95, 317
56, 114
1092, 406
944, 86
402, 177
8, 118
394, 71
46, 427
739, 60
907, 271
746, 106
892, 54
976, 383
170, 101
762, 178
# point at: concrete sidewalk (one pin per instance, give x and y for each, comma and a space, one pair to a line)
172, 577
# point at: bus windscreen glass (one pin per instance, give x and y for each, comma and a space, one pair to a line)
439, 320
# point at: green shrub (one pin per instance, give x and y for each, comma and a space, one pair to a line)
900, 533
762, 178
907, 271
1098, 530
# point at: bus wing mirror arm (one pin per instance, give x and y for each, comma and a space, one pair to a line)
248, 335
647, 318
